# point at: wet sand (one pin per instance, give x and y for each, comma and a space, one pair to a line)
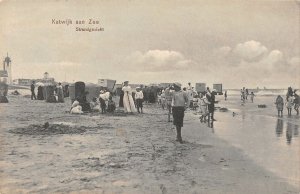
123, 154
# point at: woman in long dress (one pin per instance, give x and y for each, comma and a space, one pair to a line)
60, 93
121, 99
279, 105
128, 102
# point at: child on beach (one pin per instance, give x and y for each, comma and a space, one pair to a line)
279, 105
252, 96
103, 98
76, 108
159, 98
203, 102
139, 97
289, 105
297, 103
95, 107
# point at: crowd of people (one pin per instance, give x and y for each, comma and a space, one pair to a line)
244, 95
177, 100
172, 98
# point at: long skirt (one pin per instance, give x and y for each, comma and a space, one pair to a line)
128, 103
121, 100
178, 115
60, 95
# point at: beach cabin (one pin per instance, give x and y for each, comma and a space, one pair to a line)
48, 93
200, 87
76, 89
109, 84
218, 87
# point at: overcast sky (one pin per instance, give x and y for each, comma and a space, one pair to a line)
237, 43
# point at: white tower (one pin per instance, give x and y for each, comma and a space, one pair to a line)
7, 67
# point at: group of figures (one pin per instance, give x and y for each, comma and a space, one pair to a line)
177, 100
132, 100
104, 103
205, 101
244, 95
292, 101
52, 93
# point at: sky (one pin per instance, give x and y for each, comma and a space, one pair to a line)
236, 42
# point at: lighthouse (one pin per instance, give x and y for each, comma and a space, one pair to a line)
7, 68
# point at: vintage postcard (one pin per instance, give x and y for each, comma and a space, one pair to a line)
161, 96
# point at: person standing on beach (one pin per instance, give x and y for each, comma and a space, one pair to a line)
152, 94
289, 104
103, 97
128, 102
279, 105
60, 93
211, 106
121, 97
163, 99
252, 96
139, 97
179, 103
32, 87
168, 96
189, 91
296, 102
203, 102
225, 95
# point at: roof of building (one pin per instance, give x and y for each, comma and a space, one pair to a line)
3, 73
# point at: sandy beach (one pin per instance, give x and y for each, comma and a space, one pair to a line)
137, 153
